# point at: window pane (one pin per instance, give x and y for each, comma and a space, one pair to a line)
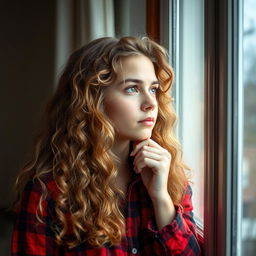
190, 92
249, 130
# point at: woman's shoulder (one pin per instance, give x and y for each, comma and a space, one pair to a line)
44, 183
38, 193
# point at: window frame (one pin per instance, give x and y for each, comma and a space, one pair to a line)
223, 104
169, 13
222, 130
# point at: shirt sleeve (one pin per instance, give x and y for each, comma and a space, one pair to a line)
180, 236
30, 235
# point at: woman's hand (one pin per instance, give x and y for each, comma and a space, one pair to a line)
153, 163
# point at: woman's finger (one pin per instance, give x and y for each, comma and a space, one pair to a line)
147, 162
148, 142
146, 154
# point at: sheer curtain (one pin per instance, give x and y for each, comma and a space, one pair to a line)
78, 22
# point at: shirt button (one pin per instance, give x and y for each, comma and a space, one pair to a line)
134, 251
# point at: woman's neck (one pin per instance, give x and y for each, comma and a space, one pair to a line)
121, 150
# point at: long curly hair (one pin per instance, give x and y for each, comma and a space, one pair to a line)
75, 141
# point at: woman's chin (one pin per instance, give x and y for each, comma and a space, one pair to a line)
142, 137
135, 136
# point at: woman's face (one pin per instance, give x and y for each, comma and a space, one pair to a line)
130, 102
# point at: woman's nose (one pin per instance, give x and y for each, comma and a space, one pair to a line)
148, 103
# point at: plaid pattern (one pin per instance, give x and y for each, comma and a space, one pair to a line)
31, 237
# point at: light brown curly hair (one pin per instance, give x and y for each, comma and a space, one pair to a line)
76, 138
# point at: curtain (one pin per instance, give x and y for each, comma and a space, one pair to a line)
78, 22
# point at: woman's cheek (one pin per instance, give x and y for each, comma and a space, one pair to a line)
124, 110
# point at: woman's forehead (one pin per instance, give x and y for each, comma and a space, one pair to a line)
135, 67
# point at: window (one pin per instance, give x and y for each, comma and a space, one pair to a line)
188, 61
218, 128
248, 173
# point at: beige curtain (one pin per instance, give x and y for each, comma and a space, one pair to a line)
78, 22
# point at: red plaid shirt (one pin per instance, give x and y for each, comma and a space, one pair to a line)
31, 237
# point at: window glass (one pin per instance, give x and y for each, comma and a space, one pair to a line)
249, 130
189, 88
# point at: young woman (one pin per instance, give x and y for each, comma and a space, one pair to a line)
106, 175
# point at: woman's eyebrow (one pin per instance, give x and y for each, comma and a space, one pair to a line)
136, 81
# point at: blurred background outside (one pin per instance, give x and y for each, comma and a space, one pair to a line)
249, 130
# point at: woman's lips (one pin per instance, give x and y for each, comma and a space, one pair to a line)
148, 121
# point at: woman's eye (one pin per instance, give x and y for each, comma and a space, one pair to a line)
131, 89
154, 89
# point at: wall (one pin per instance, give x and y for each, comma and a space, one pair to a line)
27, 66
